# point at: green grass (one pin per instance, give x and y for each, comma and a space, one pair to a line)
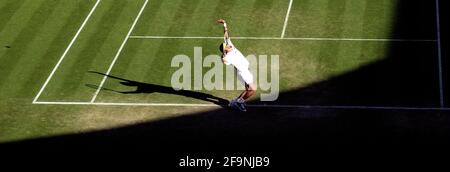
38, 32
342, 19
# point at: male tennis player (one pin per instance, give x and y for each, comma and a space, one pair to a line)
232, 56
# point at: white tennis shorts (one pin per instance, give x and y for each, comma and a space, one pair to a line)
245, 76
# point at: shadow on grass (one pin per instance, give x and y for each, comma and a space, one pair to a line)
153, 88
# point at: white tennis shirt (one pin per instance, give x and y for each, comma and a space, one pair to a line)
236, 58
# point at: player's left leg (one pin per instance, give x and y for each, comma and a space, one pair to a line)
250, 89
246, 78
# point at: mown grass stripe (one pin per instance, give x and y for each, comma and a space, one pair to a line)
8, 10
65, 52
85, 57
185, 13
136, 48
149, 16
352, 23
161, 19
262, 9
60, 29
372, 23
205, 15
333, 25
32, 56
23, 40
119, 50
17, 22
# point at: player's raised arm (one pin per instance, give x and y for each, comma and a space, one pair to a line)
225, 28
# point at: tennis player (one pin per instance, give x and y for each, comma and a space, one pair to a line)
232, 56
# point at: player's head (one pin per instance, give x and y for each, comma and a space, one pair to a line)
225, 47
221, 47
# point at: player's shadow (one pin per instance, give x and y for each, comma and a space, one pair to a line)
153, 88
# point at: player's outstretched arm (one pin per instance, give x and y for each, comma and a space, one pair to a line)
225, 28
225, 38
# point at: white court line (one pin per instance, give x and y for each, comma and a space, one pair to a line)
119, 51
259, 106
278, 38
66, 51
286, 19
438, 33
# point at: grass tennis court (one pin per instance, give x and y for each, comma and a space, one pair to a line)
57, 55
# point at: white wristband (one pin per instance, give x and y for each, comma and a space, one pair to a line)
224, 24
